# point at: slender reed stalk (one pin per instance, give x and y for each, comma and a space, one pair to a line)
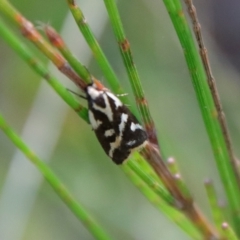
24, 52
185, 202
217, 213
97, 52
228, 232
172, 213
125, 50
173, 168
207, 106
58, 42
212, 85
30, 32
78, 210
152, 183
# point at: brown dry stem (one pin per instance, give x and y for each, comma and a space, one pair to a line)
212, 85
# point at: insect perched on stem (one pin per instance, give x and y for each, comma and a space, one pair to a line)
116, 128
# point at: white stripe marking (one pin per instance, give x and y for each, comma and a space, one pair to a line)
95, 124
124, 118
109, 133
107, 110
118, 103
114, 145
134, 126
117, 143
130, 143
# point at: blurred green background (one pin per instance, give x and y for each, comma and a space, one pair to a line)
76, 156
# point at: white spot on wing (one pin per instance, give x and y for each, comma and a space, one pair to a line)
130, 143
139, 147
122, 125
135, 126
107, 110
94, 123
109, 133
114, 145
117, 102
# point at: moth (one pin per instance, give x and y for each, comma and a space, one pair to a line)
116, 128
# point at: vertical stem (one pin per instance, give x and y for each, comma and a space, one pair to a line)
183, 202
207, 107
124, 46
212, 85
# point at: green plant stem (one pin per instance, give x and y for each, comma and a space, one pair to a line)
96, 50
212, 85
131, 69
158, 187
78, 210
217, 214
58, 42
228, 232
30, 32
207, 107
173, 168
93, 44
172, 213
24, 52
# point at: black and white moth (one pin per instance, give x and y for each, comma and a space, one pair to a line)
116, 128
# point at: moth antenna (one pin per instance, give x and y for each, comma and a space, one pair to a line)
77, 94
122, 95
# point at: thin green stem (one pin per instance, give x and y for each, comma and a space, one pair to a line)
131, 69
185, 202
58, 42
172, 213
95, 229
207, 107
30, 32
217, 213
228, 232
25, 53
212, 85
96, 50
173, 168
152, 182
